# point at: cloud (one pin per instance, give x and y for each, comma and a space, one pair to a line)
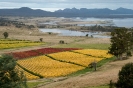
54, 4
63, 1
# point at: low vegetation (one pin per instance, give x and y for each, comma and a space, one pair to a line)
5, 34
103, 46
10, 77
125, 79
14, 43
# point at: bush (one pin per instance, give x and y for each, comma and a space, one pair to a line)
87, 35
49, 33
5, 34
125, 79
41, 39
10, 77
61, 42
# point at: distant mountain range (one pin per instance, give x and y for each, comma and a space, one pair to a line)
83, 12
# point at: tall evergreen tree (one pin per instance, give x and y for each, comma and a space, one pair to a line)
10, 77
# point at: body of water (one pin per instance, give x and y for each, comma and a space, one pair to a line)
119, 22
64, 32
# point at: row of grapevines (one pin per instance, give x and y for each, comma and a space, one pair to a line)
37, 52
27, 74
6, 44
48, 67
81, 59
95, 53
11, 41
17, 45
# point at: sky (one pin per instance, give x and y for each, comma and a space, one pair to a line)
53, 5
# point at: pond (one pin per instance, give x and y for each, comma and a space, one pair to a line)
64, 32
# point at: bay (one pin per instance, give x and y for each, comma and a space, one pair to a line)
119, 22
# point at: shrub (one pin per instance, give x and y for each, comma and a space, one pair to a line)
125, 79
91, 36
5, 34
41, 39
87, 35
49, 33
61, 42
10, 77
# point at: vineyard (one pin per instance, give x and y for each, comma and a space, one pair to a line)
55, 62
51, 62
10, 43
37, 52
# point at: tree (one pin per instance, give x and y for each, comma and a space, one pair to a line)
120, 42
5, 34
10, 77
125, 79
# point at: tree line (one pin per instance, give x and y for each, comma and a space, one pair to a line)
7, 22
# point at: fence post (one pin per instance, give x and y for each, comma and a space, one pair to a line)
93, 65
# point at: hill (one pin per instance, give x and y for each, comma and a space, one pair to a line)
74, 12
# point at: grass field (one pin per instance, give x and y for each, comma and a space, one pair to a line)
103, 46
33, 84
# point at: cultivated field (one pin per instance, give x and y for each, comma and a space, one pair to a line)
60, 63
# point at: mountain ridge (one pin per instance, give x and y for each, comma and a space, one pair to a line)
68, 12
